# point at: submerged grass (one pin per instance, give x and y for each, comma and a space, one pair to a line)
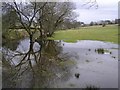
108, 33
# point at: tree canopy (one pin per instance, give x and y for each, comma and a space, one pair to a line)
43, 16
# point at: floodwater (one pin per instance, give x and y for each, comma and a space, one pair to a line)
97, 69
61, 65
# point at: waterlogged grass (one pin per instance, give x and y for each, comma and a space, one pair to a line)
108, 33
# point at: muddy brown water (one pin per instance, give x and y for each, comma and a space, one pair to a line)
94, 68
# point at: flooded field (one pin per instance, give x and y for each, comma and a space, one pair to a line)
96, 68
58, 64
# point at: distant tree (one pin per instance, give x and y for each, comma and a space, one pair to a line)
108, 22
68, 24
103, 25
91, 24
75, 24
95, 23
54, 15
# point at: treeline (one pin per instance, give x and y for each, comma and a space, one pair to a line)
104, 22
72, 24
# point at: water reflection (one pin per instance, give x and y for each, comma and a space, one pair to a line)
102, 51
48, 64
33, 65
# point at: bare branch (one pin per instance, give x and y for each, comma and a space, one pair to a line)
91, 3
35, 12
19, 13
59, 18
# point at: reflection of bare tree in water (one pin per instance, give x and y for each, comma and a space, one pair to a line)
34, 67
25, 63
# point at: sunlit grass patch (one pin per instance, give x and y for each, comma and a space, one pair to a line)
108, 33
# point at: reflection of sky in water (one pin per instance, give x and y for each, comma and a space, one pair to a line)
100, 70
25, 44
36, 47
90, 44
23, 47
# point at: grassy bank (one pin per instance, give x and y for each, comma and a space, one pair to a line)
108, 33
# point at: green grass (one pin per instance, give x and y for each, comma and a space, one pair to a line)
108, 33
14, 35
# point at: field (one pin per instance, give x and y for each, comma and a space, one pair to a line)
108, 33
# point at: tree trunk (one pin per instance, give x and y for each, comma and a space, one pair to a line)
31, 43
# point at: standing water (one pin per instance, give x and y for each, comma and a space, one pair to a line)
61, 65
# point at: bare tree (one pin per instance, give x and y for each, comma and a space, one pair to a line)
54, 14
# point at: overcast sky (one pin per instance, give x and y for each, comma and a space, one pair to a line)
107, 10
